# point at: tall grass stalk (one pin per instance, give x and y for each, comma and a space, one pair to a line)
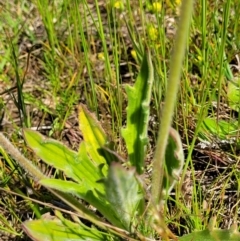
19, 101
171, 97
111, 75
212, 63
79, 20
222, 43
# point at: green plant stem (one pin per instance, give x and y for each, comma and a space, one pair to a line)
171, 96
222, 51
32, 170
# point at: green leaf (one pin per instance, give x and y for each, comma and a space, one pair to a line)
139, 96
67, 187
75, 165
233, 94
223, 130
51, 151
211, 235
94, 137
174, 159
61, 230
89, 194
124, 194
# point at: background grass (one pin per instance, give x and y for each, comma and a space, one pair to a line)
57, 54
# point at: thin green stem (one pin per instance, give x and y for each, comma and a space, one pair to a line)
222, 51
170, 100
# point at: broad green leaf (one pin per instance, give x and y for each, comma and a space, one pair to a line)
139, 96
220, 130
227, 69
51, 151
94, 137
67, 187
78, 166
58, 230
90, 172
90, 195
233, 94
174, 159
211, 235
124, 194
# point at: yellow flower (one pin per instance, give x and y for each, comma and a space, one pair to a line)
101, 56
134, 54
118, 5
153, 33
178, 2
173, 3
199, 58
156, 7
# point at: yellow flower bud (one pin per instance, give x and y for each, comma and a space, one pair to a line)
101, 56
153, 33
156, 7
134, 54
118, 5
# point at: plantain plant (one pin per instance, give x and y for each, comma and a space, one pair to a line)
122, 208
96, 175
